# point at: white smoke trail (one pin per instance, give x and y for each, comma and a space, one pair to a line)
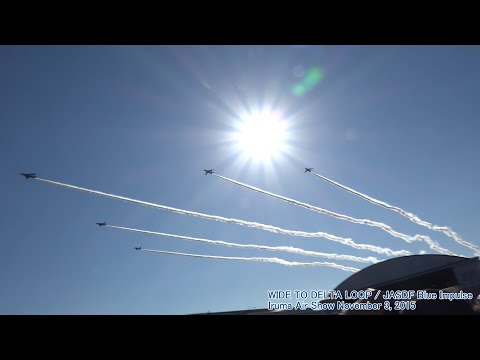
260, 259
288, 249
412, 217
433, 245
274, 229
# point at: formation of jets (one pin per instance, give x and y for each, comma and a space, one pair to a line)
33, 176
210, 171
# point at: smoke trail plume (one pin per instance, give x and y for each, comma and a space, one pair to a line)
412, 217
274, 229
433, 245
260, 259
288, 249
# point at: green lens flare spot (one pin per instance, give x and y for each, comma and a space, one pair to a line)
310, 80
313, 76
299, 89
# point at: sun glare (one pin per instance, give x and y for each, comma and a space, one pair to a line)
262, 136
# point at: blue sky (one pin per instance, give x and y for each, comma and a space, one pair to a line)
399, 123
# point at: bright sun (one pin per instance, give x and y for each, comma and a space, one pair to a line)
261, 136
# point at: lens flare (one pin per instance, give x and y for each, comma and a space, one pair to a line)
309, 81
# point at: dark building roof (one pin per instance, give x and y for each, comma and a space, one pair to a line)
415, 272
263, 312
